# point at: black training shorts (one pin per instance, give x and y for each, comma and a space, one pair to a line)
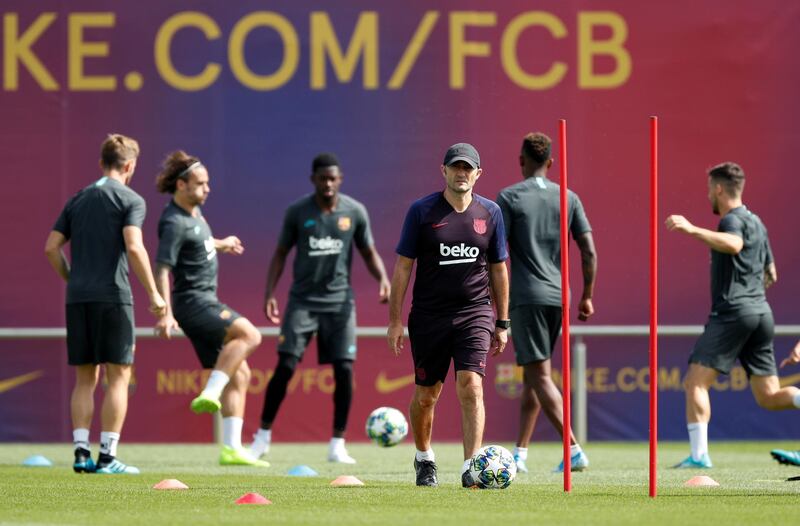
748, 338
336, 332
437, 338
100, 333
534, 331
206, 326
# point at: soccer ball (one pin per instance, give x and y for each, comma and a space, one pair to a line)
492, 467
386, 426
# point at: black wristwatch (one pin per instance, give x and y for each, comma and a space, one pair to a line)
503, 324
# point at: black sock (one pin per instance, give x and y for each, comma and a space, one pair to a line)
342, 395
104, 460
276, 389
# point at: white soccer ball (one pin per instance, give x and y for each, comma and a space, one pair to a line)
386, 426
492, 467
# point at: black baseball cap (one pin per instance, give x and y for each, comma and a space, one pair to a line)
462, 152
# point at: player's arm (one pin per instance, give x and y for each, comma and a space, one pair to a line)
274, 272
770, 275
375, 266
770, 271
140, 262
719, 241
589, 267
229, 245
400, 279
498, 285
166, 324
53, 249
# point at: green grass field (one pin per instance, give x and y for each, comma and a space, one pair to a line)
753, 488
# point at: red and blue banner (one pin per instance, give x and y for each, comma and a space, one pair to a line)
256, 89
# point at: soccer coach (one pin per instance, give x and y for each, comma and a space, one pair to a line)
458, 241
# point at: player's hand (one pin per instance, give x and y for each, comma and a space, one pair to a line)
271, 310
231, 245
499, 340
158, 306
166, 324
676, 223
585, 309
395, 338
794, 356
384, 291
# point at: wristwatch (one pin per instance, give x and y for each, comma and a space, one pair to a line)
503, 324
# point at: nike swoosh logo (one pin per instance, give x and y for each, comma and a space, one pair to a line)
389, 385
11, 383
789, 380
439, 225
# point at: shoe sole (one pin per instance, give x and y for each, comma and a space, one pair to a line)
205, 406
257, 463
783, 460
100, 472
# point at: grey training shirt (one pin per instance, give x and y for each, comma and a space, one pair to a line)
737, 281
531, 214
324, 250
93, 221
185, 244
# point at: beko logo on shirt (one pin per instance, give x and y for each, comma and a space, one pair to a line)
324, 246
467, 253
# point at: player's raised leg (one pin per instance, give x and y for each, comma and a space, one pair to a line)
241, 339
540, 376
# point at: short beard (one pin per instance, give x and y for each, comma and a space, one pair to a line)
458, 190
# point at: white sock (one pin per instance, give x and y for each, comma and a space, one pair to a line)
108, 443
426, 455
521, 452
796, 400
263, 435
466, 465
337, 444
232, 431
574, 449
698, 439
217, 381
80, 438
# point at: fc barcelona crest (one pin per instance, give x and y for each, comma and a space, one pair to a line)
479, 225
344, 223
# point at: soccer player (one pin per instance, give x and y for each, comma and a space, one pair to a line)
458, 242
324, 226
740, 324
781, 455
222, 339
531, 214
103, 224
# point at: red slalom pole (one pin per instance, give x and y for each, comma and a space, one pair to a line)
565, 387
653, 306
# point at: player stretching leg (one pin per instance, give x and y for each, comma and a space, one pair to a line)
222, 339
740, 325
